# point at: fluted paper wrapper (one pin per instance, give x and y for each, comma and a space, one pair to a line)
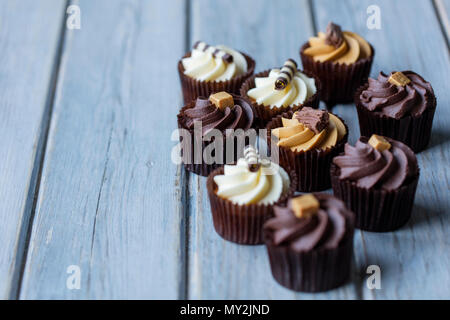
313, 166
265, 113
192, 88
339, 80
415, 132
376, 210
242, 224
311, 271
203, 168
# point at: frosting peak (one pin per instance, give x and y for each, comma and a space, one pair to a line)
368, 167
326, 229
396, 101
337, 46
218, 63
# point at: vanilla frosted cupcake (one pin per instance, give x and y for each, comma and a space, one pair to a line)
307, 140
340, 59
207, 69
242, 196
279, 90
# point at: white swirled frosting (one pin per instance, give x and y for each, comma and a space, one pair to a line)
297, 91
202, 65
242, 186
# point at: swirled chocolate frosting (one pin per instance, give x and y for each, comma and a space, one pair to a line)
394, 101
240, 116
368, 167
325, 229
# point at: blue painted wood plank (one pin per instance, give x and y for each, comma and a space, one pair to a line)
273, 32
414, 259
110, 200
443, 9
29, 38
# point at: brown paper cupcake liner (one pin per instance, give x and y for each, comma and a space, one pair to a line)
242, 224
204, 169
264, 114
311, 271
376, 210
339, 80
313, 166
412, 131
192, 88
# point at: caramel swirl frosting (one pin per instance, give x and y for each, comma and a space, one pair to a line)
338, 46
310, 129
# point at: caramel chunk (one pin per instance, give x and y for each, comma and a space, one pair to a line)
222, 100
305, 206
379, 143
399, 79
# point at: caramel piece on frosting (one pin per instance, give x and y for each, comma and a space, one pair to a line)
305, 206
379, 143
334, 36
222, 100
399, 79
315, 120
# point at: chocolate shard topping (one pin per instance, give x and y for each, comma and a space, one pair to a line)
315, 120
334, 35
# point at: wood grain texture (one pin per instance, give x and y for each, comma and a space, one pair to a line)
272, 33
443, 10
414, 260
110, 199
29, 38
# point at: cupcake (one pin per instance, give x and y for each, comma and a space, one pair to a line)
307, 141
242, 196
341, 60
275, 91
206, 70
310, 243
207, 126
377, 179
400, 106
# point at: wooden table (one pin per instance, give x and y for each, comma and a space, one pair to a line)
86, 121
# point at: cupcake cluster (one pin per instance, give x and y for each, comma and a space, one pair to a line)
275, 199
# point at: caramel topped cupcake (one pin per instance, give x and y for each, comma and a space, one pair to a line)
308, 140
340, 59
310, 242
399, 105
280, 89
208, 69
377, 179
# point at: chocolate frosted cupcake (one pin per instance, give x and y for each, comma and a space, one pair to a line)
341, 60
310, 243
206, 70
275, 91
204, 122
377, 179
400, 105
242, 196
307, 141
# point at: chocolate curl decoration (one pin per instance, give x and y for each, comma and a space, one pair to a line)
216, 53
286, 74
